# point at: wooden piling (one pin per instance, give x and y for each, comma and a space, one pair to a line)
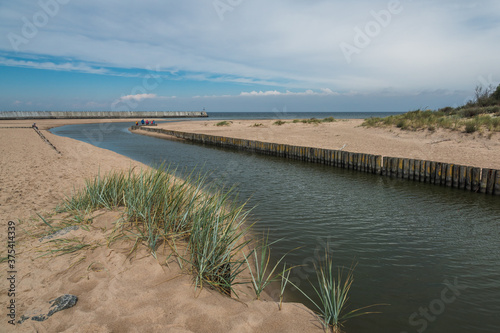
490, 185
497, 183
438, 173
476, 179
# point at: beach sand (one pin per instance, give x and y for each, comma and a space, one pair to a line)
117, 292
442, 145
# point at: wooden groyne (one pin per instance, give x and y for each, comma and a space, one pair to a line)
462, 177
9, 115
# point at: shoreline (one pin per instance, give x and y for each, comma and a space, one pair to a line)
445, 146
145, 293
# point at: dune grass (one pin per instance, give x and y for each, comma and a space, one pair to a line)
262, 274
332, 294
431, 120
480, 114
160, 206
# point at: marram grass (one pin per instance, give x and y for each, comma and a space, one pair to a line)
332, 294
160, 206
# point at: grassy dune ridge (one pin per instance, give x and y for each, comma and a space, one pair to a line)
481, 114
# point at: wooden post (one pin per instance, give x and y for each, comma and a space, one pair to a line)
437, 179
406, 168
422, 170
400, 172
449, 175
468, 179
462, 176
394, 166
484, 180
490, 186
497, 183
456, 176
476, 179
433, 172
378, 164
416, 175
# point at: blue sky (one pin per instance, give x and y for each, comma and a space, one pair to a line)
242, 55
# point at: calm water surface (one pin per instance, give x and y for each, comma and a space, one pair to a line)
431, 253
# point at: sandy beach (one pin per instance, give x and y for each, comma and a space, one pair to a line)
116, 292
442, 145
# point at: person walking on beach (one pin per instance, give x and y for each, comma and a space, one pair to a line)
142, 121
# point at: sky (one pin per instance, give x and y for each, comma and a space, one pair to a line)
246, 55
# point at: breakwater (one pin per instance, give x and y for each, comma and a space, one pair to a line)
467, 178
8, 115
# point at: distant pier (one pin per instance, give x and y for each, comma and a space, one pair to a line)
9, 115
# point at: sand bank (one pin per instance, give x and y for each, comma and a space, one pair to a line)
117, 292
442, 145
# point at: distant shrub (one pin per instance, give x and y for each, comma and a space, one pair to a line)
403, 124
470, 126
372, 122
223, 123
311, 121
296, 121
329, 120
279, 122
257, 125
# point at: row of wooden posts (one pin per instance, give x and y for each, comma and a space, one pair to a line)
446, 174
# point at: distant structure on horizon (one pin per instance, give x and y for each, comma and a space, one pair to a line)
6, 115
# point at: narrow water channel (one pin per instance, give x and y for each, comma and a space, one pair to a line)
431, 253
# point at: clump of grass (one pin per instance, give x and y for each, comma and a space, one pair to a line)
311, 121
329, 120
279, 122
262, 274
214, 241
295, 121
470, 126
159, 206
223, 123
331, 294
257, 125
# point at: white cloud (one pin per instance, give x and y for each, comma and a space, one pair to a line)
309, 92
283, 43
138, 97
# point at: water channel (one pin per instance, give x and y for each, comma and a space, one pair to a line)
432, 253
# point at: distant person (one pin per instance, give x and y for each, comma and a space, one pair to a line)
34, 126
147, 122
136, 123
152, 122
142, 121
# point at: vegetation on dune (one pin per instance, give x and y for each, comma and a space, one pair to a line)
157, 208
331, 295
315, 120
223, 123
482, 113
